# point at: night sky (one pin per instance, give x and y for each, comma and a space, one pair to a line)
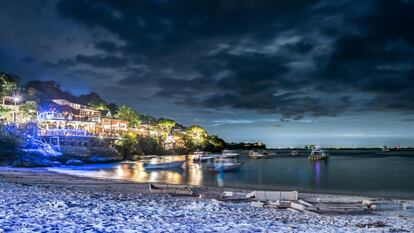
287, 73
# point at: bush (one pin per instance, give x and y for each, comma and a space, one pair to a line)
9, 142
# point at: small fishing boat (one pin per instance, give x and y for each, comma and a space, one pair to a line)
260, 155
224, 165
171, 189
318, 154
162, 165
294, 153
229, 154
201, 156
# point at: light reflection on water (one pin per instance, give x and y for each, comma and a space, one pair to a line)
382, 175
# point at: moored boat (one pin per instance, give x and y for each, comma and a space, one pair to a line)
261, 155
201, 156
229, 154
162, 165
225, 165
318, 154
294, 153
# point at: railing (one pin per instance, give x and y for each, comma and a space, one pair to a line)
66, 132
58, 116
75, 133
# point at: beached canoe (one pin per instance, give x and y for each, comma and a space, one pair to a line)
171, 189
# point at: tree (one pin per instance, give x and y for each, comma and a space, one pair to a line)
166, 126
128, 146
4, 111
196, 137
9, 84
147, 118
28, 110
214, 143
128, 114
9, 141
98, 106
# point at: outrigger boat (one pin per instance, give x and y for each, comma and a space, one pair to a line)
162, 165
261, 155
318, 154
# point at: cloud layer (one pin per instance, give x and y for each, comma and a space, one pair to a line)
293, 59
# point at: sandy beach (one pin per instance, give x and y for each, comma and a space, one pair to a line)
41, 200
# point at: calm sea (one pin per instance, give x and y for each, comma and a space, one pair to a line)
388, 174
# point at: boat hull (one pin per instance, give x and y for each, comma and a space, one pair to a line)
226, 168
317, 158
156, 166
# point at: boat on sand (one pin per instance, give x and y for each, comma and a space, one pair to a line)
171, 189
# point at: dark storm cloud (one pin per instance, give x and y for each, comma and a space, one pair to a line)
106, 46
102, 61
295, 58
377, 57
60, 64
160, 26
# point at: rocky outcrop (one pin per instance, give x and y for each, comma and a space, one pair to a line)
34, 160
90, 154
74, 162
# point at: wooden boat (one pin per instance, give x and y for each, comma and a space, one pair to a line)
162, 165
318, 154
229, 154
201, 156
223, 165
171, 189
261, 155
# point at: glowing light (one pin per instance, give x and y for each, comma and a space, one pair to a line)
17, 98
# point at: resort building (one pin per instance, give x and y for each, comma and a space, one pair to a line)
59, 117
112, 127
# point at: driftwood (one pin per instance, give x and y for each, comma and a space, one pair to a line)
171, 189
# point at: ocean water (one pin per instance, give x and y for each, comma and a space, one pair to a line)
358, 172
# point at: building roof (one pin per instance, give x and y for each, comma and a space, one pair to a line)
51, 106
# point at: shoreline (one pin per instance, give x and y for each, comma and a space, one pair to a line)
405, 197
86, 204
49, 177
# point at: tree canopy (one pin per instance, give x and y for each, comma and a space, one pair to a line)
9, 84
128, 114
196, 137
